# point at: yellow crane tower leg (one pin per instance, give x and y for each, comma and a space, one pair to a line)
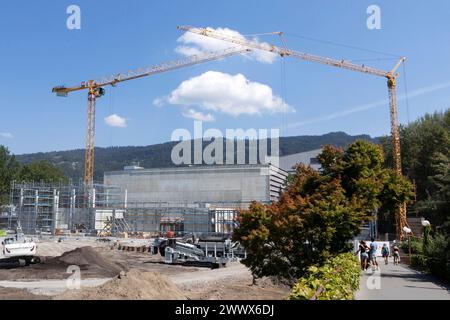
400, 214
90, 134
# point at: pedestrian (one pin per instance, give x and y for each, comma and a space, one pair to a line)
373, 254
396, 254
385, 253
362, 250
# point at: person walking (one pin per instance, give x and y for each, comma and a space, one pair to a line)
373, 254
385, 253
364, 257
396, 254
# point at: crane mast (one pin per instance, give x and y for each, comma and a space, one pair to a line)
391, 76
96, 90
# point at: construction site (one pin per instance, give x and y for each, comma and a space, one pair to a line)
163, 233
131, 225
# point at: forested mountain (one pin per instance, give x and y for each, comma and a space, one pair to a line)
159, 155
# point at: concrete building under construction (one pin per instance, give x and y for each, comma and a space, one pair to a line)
196, 199
225, 184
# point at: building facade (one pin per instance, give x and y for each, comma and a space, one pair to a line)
233, 185
194, 199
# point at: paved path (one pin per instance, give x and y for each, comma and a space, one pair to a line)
49, 287
400, 282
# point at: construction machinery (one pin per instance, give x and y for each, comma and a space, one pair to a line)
177, 251
18, 250
96, 90
391, 77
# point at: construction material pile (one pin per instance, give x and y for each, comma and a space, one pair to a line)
89, 260
132, 285
92, 263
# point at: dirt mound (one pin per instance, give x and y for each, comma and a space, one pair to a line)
133, 285
88, 259
93, 263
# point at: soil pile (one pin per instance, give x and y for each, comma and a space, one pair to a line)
133, 285
91, 261
88, 259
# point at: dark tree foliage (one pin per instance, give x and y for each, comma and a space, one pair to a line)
11, 170
426, 161
40, 171
8, 171
319, 212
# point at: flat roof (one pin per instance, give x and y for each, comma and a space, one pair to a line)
198, 168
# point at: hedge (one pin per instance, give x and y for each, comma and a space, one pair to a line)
439, 267
338, 279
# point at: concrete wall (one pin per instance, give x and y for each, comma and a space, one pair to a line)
308, 158
207, 184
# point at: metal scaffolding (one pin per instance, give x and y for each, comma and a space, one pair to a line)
42, 208
45, 208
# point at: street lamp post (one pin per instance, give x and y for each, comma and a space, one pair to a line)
426, 235
408, 233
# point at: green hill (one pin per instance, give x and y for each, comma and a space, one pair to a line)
159, 155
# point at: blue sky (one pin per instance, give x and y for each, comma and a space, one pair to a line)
38, 52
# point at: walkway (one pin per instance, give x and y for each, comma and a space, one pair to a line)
400, 282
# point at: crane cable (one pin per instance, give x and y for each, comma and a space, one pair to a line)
283, 89
334, 43
406, 93
111, 112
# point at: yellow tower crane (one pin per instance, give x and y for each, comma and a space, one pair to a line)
96, 90
391, 77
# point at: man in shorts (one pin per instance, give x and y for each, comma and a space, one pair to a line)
373, 254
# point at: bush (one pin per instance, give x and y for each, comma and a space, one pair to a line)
338, 278
438, 257
419, 262
416, 246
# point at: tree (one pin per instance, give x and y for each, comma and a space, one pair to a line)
319, 212
41, 171
8, 171
425, 147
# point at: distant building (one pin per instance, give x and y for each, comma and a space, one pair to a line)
308, 158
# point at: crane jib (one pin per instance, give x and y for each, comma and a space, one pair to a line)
391, 84
148, 71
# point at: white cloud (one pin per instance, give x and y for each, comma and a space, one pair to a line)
159, 102
193, 44
233, 95
6, 135
197, 115
116, 121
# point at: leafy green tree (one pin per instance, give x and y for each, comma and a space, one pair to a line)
41, 171
318, 212
425, 147
436, 205
9, 168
